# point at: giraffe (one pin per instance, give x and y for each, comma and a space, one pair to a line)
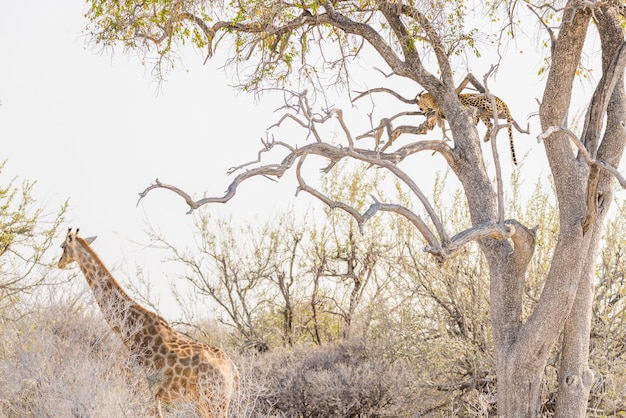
185, 369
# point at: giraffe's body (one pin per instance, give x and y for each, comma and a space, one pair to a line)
181, 368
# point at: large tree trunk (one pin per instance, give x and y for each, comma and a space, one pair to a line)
517, 388
522, 349
522, 356
575, 375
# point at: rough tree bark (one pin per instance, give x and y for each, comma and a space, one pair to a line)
583, 180
575, 375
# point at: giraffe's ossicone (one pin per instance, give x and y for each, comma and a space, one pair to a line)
179, 367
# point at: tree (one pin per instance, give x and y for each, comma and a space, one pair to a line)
26, 232
288, 283
419, 42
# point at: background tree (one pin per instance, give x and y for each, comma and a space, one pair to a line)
317, 41
26, 232
307, 280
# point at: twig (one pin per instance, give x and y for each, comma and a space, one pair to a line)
548, 28
267, 146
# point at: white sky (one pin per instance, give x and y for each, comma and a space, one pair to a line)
93, 128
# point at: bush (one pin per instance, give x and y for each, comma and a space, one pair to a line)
63, 360
345, 380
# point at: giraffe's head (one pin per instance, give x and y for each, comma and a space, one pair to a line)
71, 247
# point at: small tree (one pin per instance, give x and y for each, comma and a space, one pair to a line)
420, 42
26, 232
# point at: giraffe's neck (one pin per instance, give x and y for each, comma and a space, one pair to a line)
122, 313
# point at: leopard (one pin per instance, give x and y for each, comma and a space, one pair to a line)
434, 115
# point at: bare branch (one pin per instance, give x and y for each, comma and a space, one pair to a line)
612, 170
415, 219
571, 135
470, 78
346, 131
322, 149
494, 148
583, 152
302, 107
158, 185
392, 134
274, 170
267, 146
548, 29
302, 186
406, 179
384, 90
490, 230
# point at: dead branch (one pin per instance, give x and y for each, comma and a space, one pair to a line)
302, 107
275, 170
415, 219
492, 230
406, 129
339, 114
494, 147
267, 146
612, 170
469, 78
386, 123
302, 186
438, 241
384, 90
441, 248
331, 152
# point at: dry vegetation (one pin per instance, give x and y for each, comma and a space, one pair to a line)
326, 323
63, 360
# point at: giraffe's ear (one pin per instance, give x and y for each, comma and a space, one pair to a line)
89, 240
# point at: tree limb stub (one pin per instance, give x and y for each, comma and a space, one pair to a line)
524, 240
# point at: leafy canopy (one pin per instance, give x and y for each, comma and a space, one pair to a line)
279, 42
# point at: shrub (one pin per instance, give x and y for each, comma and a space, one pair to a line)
63, 360
344, 380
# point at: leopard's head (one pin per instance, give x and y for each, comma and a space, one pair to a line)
426, 102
